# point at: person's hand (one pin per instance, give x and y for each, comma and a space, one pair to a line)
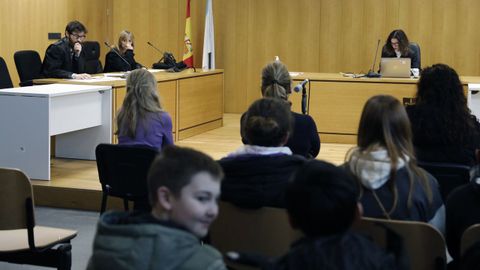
81, 76
77, 48
129, 46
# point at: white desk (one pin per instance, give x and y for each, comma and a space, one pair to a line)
79, 115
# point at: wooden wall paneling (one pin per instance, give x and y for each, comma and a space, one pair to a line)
232, 39
25, 24
300, 39
163, 30
329, 26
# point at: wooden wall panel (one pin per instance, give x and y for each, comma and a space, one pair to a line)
308, 35
25, 24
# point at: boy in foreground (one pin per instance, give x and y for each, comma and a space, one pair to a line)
184, 186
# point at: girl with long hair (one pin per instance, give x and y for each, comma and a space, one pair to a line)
444, 130
398, 45
141, 119
391, 185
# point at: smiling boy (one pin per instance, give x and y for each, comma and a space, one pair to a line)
184, 186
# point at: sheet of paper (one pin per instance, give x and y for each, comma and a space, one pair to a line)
295, 74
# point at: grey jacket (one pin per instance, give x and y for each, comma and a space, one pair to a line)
122, 244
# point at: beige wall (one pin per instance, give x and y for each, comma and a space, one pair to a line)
308, 35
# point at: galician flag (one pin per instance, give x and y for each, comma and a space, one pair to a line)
188, 51
208, 60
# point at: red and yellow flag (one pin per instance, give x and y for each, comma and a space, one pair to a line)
188, 49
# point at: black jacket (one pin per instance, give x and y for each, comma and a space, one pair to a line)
303, 140
463, 206
340, 252
253, 181
113, 62
60, 61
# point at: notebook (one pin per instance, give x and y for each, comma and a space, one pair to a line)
395, 67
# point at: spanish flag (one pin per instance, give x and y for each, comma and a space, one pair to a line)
188, 50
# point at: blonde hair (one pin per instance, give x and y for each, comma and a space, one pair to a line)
141, 98
125, 35
276, 81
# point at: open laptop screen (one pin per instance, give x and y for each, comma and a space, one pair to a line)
395, 67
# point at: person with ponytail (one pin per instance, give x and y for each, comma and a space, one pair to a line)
304, 139
392, 186
142, 120
257, 173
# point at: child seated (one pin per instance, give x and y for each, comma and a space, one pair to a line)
322, 203
184, 186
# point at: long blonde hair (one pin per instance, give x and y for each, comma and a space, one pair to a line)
385, 122
141, 98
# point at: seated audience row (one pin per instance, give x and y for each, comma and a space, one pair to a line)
381, 173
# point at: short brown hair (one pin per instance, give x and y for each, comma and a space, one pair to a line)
174, 168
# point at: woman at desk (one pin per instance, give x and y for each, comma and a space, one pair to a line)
121, 58
397, 45
141, 120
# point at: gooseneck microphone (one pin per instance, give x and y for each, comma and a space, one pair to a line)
119, 55
151, 45
297, 88
371, 73
300, 86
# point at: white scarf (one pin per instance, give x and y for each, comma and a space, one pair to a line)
373, 168
248, 149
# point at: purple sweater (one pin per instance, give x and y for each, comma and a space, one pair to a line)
154, 131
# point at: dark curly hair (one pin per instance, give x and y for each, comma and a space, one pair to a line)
441, 99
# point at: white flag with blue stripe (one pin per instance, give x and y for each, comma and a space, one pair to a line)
208, 60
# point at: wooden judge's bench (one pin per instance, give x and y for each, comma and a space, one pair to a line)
336, 102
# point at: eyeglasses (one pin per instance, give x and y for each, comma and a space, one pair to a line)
77, 36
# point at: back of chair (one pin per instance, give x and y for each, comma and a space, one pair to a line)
416, 48
448, 175
424, 244
29, 66
92, 57
470, 237
123, 169
5, 79
15, 194
264, 231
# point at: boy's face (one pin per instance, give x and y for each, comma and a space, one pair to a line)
196, 207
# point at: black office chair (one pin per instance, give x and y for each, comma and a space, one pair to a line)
123, 173
92, 57
5, 80
448, 175
29, 66
416, 48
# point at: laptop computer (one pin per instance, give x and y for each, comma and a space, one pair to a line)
395, 67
